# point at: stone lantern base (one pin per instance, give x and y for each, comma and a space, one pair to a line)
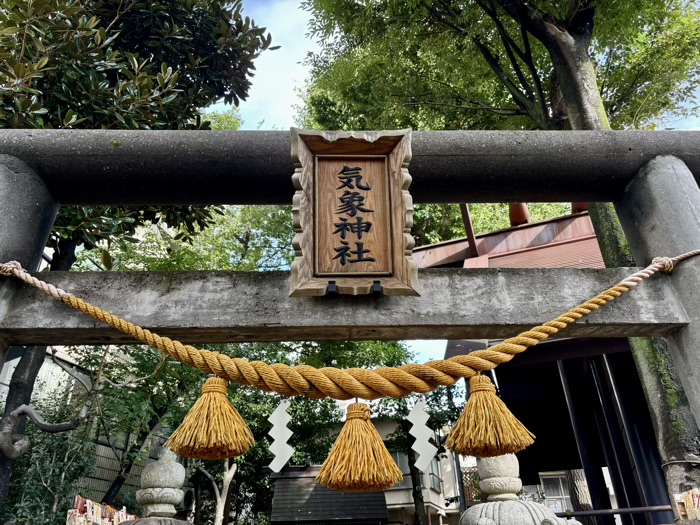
500, 481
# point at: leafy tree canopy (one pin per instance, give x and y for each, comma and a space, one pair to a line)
122, 63
473, 65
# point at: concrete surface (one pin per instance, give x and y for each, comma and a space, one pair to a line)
237, 306
660, 213
254, 167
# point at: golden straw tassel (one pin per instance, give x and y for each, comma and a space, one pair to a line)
213, 428
486, 427
359, 461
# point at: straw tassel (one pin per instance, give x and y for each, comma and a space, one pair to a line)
487, 428
213, 428
359, 461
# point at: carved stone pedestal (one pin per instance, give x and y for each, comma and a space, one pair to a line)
501, 482
161, 490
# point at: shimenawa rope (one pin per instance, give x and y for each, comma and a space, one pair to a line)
358, 461
354, 382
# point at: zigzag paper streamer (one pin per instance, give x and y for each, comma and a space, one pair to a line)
280, 434
422, 445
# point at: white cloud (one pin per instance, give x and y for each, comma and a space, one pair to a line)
427, 350
279, 72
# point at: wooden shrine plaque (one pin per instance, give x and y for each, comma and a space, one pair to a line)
352, 213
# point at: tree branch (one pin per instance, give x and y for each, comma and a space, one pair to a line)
498, 111
440, 18
510, 46
493, 15
520, 98
70, 372
529, 61
204, 471
120, 13
606, 75
103, 422
530, 17
13, 446
53, 428
582, 18
134, 382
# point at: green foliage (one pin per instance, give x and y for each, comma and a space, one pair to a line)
124, 412
229, 120
94, 226
122, 63
243, 238
434, 223
469, 65
49, 473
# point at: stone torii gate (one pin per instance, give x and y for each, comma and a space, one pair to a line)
649, 176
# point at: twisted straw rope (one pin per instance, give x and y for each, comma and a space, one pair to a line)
351, 383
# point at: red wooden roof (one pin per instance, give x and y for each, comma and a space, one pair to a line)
564, 242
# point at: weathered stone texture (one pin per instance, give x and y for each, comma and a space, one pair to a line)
229, 306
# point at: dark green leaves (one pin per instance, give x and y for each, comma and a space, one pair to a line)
131, 64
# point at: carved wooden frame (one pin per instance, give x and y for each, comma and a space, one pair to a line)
396, 146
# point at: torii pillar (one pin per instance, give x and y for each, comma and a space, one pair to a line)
27, 213
660, 215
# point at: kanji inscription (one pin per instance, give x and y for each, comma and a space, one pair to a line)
352, 227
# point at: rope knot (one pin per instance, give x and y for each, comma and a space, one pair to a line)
665, 264
358, 411
215, 385
8, 269
479, 383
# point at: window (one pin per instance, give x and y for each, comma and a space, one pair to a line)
434, 475
402, 461
556, 491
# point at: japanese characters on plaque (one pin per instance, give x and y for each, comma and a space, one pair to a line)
353, 220
352, 204
352, 213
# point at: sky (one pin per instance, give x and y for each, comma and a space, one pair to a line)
278, 73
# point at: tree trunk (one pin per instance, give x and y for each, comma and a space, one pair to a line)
64, 257
24, 376
420, 516
131, 455
229, 472
227, 505
578, 80
20, 393
197, 480
580, 497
